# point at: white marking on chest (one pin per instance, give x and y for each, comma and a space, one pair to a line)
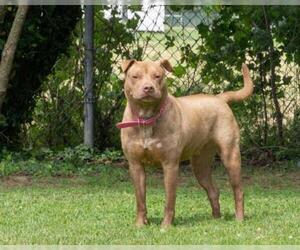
152, 144
148, 142
147, 136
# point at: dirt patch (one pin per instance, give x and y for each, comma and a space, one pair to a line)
16, 181
44, 182
269, 179
60, 181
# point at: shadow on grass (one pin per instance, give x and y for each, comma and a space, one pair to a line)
197, 219
191, 220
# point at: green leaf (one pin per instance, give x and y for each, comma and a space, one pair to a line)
179, 71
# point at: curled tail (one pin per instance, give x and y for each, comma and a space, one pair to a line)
242, 94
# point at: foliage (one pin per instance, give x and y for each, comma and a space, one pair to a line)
80, 160
63, 93
114, 39
61, 99
266, 38
292, 149
45, 36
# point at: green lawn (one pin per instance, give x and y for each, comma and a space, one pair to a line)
100, 210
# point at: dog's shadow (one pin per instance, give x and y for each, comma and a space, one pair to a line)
195, 219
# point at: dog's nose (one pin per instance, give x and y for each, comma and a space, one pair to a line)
148, 89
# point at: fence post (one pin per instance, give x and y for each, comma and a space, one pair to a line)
88, 77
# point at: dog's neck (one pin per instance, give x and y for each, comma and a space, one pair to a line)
146, 110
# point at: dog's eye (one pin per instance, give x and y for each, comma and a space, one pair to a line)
157, 76
135, 76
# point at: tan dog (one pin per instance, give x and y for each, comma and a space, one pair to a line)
165, 130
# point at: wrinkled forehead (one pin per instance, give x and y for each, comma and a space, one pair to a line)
146, 67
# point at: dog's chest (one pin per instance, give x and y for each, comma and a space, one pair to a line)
150, 144
148, 140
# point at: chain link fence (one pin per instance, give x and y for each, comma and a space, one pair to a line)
151, 33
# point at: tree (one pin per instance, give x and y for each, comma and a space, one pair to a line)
45, 37
9, 50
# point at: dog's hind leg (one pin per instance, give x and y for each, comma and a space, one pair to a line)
231, 158
201, 165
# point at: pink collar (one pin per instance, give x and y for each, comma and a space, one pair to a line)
141, 121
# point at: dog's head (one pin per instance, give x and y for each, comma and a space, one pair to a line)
145, 80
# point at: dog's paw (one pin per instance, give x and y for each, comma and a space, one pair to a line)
140, 222
239, 216
216, 214
166, 224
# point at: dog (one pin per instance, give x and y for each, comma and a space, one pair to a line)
159, 128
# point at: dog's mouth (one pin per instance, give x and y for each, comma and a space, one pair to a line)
153, 97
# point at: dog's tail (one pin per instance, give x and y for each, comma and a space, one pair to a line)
242, 94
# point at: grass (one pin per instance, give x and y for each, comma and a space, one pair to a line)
100, 210
156, 46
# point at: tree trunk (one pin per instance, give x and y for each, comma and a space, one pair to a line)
278, 113
9, 50
265, 112
89, 128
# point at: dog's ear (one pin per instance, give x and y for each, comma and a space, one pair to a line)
126, 64
166, 65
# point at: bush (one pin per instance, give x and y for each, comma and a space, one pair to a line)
80, 160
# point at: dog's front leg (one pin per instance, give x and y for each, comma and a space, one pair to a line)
138, 176
170, 180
